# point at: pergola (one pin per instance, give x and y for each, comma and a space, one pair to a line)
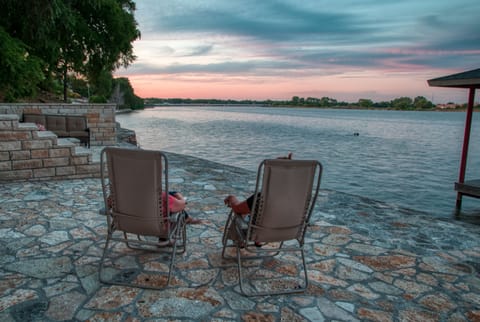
471, 80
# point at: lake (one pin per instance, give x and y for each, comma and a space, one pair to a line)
407, 158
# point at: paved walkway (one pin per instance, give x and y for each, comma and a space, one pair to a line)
367, 260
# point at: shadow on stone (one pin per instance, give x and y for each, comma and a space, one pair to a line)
126, 276
29, 311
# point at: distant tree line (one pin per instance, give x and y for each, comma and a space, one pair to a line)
65, 47
199, 101
401, 103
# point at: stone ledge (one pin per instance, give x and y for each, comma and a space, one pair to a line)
27, 126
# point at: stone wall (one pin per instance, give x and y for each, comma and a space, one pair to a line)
29, 154
100, 117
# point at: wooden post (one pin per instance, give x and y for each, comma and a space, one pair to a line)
466, 141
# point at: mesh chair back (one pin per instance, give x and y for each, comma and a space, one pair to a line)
135, 181
285, 202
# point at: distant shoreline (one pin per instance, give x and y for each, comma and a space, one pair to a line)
314, 107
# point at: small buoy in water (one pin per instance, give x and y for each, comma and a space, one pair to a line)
356, 134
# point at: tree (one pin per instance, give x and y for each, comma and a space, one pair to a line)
110, 30
20, 72
96, 38
90, 38
382, 104
325, 101
26, 27
312, 101
402, 103
363, 102
102, 84
421, 102
79, 85
124, 96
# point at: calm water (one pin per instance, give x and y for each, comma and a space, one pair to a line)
405, 158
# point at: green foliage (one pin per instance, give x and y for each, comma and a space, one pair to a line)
87, 38
382, 104
20, 73
311, 102
108, 29
33, 22
421, 102
122, 87
102, 85
97, 99
363, 102
402, 103
79, 85
296, 101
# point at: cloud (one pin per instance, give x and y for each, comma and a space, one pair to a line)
201, 50
232, 67
304, 38
266, 20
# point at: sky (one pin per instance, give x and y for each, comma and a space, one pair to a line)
277, 49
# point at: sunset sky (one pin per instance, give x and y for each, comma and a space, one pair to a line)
276, 49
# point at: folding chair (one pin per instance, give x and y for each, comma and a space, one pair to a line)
284, 198
135, 188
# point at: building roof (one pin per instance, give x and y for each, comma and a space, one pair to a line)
468, 79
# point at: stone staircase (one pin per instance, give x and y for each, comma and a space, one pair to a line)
29, 154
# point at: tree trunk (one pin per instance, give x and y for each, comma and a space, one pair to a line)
65, 83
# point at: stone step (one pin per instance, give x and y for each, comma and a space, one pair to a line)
83, 151
65, 143
46, 135
74, 141
28, 126
80, 150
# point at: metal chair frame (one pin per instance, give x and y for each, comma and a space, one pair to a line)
246, 232
173, 243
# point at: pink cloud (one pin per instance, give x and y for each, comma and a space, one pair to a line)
343, 87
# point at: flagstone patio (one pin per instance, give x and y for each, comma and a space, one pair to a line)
367, 260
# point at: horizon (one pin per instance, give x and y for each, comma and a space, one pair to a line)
275, 50
238, 101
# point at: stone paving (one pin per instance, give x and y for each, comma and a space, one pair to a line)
367, 261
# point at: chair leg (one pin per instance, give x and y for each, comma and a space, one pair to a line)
125, 235
305, 274
240, 273
298, 289
227, 226
225, 238
172, 262
102, 260
179, 235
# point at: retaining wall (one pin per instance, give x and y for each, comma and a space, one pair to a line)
29, 154
100, 117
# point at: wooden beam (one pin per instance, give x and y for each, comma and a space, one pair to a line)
466, 141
